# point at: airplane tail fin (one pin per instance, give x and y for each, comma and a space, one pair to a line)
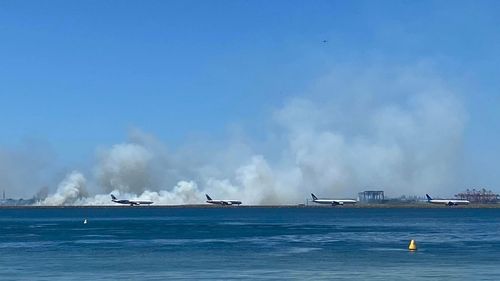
208, 197
113, 197
314, 196
428, 197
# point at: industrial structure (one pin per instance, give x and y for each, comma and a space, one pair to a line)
16, 202
371, 196
481, 196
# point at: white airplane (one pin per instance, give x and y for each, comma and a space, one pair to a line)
333, 202
130, 202
448, 202
222, 202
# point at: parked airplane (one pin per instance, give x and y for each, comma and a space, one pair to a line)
448, 202
333, 202
130, 202
222, 202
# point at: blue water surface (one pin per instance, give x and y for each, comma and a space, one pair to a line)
249, 244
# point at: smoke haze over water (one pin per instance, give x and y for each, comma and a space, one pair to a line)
397, 129
24, 168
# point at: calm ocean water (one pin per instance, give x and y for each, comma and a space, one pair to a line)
249, 244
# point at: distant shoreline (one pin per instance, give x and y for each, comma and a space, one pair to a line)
197, 206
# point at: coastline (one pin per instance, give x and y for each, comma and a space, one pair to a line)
202, 206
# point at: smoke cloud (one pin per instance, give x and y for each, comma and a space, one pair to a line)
395, 129
125, 167
69, 191
25, 168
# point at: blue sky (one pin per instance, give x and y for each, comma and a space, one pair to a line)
76, 75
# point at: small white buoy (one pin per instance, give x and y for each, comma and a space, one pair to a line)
85, 221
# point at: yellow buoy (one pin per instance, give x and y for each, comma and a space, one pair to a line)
412, 246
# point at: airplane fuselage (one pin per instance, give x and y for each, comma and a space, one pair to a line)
335, 201
130, 202
449, 202
224, 202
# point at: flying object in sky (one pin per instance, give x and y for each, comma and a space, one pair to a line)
130, 202
222, 202
448, 202
332, 202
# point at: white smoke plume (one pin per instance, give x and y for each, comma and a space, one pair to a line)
395, 129
400, 131
125, 167
69, 191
